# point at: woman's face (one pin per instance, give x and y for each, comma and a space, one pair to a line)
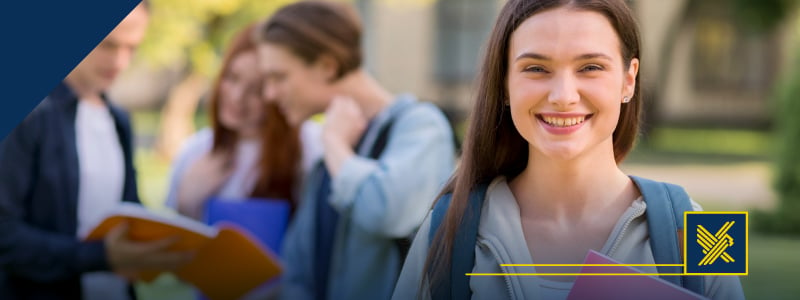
301, 90
566, 82
241, 108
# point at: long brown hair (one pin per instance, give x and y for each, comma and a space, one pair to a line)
279, 162
313, 28
493, 147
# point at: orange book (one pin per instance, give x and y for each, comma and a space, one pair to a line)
228, 261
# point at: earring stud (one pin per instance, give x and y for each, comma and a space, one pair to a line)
626, 99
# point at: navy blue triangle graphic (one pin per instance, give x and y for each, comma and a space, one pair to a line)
41, 42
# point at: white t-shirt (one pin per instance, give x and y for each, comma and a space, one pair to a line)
102, 179
243, 178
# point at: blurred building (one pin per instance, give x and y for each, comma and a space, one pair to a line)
700, 66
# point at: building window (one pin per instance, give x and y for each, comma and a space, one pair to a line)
462, 29
727, 55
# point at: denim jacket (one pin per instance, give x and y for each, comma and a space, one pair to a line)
377, 201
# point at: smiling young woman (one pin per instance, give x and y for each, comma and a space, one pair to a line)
557, 109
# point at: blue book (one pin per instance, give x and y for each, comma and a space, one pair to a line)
265, 219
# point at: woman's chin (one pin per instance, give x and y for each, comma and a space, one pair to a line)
230, 123
561, 153
294, 120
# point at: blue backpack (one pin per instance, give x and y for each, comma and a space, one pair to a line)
665, 206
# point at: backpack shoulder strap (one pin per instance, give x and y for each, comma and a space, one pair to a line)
456, 286
383, 134
439, 210
665, 206
403, 245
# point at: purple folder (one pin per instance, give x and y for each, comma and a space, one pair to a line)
622, 287
265, 219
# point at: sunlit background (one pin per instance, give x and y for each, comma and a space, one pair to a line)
721, 80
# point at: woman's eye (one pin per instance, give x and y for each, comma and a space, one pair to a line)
589, 68
535, 69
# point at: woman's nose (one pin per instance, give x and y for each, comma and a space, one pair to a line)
564, 91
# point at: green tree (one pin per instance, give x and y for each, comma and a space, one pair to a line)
761, 16
786, 218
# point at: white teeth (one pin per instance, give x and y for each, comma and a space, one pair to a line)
563, 122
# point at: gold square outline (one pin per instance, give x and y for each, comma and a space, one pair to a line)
746, 240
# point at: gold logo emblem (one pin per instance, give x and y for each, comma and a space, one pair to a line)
714, 246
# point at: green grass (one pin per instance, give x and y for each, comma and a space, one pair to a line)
166, 287
153, 177
712, 141
774, 268
669, 146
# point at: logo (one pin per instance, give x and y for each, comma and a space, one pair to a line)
716, 243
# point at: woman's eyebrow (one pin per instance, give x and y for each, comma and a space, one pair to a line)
532, 55
592, 55
537, 56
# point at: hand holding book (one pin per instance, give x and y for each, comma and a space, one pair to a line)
223, 262
128, 257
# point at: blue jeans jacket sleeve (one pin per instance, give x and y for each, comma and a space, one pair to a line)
390, 196
26, 251
377, 200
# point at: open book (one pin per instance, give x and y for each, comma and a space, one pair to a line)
228, 261
620, 287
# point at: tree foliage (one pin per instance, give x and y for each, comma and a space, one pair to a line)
762, 15
192, 34
786, 218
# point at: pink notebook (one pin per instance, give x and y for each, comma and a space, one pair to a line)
622, 287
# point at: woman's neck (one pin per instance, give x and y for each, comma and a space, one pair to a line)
569, 190
366, 91
249, 134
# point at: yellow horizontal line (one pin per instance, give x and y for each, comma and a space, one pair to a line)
591, 265
717, 212
576, 274
720, 274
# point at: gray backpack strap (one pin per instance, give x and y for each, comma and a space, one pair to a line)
665, 206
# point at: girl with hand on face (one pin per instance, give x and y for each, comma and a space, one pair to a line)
250, 151
357, 203
557, 110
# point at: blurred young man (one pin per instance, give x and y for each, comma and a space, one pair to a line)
61, 170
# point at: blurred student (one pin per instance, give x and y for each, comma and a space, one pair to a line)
67, 164
557, 110
250, 151
385, 156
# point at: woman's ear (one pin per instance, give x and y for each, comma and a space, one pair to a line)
327, 68
629, 83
